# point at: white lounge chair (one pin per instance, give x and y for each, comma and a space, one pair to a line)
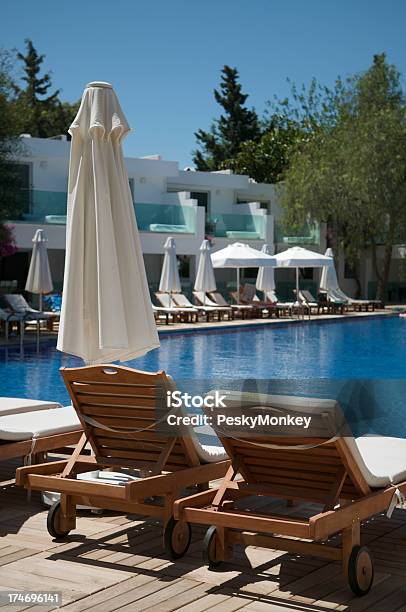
12, 317
31, 427
183, 302
187, 314
20, 306
282, 306
19, 405
215, 298
339, 296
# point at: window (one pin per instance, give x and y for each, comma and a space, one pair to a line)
202, 198
23, 173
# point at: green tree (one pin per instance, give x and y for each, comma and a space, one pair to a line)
265, 160
237, 125
10, 146
350, 172
44, 114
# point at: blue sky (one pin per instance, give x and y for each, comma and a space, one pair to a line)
164, 56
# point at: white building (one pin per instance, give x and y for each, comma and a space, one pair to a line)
168, 201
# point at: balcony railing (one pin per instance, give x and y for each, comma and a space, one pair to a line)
49, 207
166, 218
308, 234
238, 227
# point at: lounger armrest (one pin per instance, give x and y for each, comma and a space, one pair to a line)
199, 500
53, 468
325, 524
164, 483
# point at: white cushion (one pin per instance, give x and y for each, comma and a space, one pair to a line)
207, 445
38, 424
16, 405
381, 459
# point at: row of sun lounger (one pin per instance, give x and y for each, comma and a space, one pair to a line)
346, 479
16, 309
212, 306
246, 304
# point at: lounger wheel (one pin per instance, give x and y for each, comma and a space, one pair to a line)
177, 537
211, 548
360, 570
53, 522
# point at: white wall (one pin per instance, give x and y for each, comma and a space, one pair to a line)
152, 179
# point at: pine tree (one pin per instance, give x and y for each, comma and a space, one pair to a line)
237, 125
45, 115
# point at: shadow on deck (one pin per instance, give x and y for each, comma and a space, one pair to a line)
115, 562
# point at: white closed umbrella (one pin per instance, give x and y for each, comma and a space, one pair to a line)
106, 308
266, 274
39, 278
328, 279
239, 255
205, 280
298, 257
170, 281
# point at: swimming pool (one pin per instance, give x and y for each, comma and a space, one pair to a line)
362, 362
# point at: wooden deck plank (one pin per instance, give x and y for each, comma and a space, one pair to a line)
116, 562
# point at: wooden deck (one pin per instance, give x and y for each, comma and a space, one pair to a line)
115, 562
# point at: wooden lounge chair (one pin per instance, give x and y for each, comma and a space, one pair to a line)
321, 305
349, 479
284, 307
333, 305
209, 311
30, 428
253, 311
238, 310
117, 407
7, 317
188, 315
308, 301
249, 296
352, 303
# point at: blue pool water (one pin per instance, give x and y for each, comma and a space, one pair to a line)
361, 362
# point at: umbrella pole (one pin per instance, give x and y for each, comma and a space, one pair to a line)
238, 283
40, 302
38, 331
297, 291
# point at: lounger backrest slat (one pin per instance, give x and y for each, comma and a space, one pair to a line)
119, 408
308, 463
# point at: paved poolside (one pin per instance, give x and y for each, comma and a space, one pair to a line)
116, 562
